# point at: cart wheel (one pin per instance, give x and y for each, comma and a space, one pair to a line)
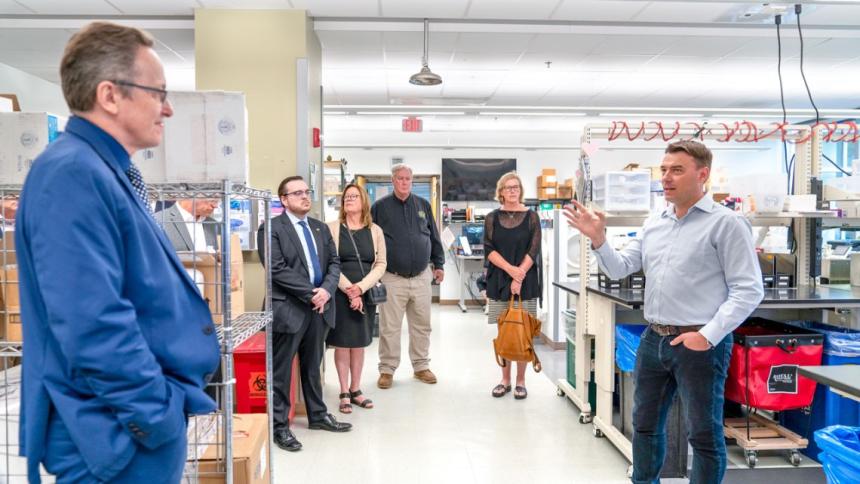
559, 392
597, 432
585, 418
630, 472
795, 458
751, 458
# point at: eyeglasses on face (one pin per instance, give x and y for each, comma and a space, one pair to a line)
351, 197
511, 188
162, 93
299, 193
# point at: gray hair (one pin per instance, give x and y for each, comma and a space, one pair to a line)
101, 51
396, 168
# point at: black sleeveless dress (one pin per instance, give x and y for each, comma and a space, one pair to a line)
353, 329
513, 235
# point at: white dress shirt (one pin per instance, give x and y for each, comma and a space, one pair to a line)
701, 269
301, 233
195, 229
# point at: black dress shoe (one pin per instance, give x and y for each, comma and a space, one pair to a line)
287, 441
329, 423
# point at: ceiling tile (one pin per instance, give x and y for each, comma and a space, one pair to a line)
559, 62
511, 9
708, 46
173, 39
636, 44
619, 63
403, 60
596, 10
10, 7
483, 60
492, 42
683, 12
565, 43
156, 7
424, 8
836, 47
414, 41
352, 59
832, 15
674, 64
347, 40
65, 7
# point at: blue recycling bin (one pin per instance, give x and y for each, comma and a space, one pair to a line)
841, 347
840, 453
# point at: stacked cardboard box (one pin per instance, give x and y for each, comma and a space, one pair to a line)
250, 452
10, 301
566, 190
206, 270
547, 184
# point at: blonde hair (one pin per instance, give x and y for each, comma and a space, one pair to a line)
500, 185
366, 221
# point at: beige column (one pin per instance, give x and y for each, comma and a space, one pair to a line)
262, 53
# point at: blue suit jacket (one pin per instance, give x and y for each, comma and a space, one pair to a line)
117, 339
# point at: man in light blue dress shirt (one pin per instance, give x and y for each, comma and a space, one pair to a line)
703, 281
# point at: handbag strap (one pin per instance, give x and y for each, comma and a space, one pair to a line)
357, 253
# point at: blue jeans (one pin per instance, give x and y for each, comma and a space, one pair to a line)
699, 378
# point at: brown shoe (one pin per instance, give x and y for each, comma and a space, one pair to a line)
426, 376
385, 381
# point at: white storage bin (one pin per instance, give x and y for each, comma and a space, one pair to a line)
622, 191
206, 140
23, 137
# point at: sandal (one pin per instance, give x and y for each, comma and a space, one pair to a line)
344, 407
500, 390
520, 393
366, 403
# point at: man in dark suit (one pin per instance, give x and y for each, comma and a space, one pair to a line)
118, 341
189, 225
305, 272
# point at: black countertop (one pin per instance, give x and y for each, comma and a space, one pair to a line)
845, 378
818, 296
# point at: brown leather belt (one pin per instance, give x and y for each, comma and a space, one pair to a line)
671, 330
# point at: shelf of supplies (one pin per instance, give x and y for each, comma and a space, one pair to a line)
245, 326
784, 218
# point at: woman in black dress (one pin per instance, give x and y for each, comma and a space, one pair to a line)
361, 247
512, 243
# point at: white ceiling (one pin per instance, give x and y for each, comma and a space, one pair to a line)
493, 52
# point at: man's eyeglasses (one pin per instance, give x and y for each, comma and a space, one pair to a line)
162, 93
511, 188
299, 193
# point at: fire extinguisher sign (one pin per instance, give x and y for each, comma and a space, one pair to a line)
782, 379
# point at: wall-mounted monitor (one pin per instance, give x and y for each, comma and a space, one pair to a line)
473, 179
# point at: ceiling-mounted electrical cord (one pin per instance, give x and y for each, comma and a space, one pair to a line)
788, 165
797, 10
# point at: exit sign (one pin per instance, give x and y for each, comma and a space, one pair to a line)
412, 125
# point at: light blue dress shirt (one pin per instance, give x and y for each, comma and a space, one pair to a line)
701, 269
300, 232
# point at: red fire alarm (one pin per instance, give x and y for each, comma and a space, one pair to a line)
412, 125
316, 137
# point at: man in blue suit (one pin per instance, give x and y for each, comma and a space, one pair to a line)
118, 343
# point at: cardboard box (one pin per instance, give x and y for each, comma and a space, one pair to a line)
568, 182
206, 271
547, 181
10, 294
206, 140
547, 193
23, 137
250, 452
565, 192
548, 172
10, 326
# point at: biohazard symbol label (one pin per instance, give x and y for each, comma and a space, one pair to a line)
257, 384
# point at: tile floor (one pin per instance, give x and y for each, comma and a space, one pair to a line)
453, 432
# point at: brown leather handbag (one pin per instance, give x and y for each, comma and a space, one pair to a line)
517, 330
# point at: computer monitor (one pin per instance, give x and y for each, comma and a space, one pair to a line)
474, 233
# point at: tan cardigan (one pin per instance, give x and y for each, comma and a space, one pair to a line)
378, 268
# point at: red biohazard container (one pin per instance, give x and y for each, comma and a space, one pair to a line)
763, 368
249, 360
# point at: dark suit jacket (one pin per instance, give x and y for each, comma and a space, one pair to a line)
118, 341
177, 229
292, 290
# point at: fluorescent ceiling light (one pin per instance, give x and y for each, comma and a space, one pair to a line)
410, 113
490, 113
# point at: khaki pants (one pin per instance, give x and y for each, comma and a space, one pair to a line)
411, 296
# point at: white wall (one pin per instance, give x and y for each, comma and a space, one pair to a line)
34, 94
